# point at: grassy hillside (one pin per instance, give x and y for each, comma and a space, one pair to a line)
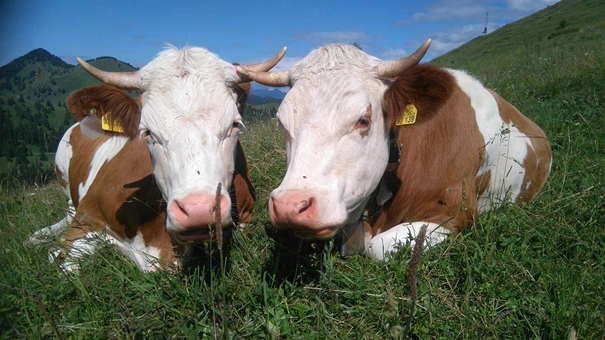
530, 272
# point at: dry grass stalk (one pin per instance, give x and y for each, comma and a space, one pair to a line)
217, 218
413, 271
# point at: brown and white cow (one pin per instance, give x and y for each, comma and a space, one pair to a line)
464, 150
146, 193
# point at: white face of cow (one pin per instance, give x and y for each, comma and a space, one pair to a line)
336, 142
191, 123
336, 137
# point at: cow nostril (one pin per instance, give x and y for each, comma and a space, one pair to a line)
304, 205
181, 209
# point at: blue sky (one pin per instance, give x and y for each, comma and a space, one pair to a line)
246, 31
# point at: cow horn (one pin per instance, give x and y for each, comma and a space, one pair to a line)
123, 80
394, 68
259, 72
268, 64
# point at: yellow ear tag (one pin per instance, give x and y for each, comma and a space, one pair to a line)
407, 116
113, 126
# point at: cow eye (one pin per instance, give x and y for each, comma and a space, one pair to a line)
238, 127
149, 137
363, 123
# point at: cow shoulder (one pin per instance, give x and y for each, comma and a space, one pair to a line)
106, 100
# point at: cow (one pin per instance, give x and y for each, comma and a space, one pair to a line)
378, 149
168, 165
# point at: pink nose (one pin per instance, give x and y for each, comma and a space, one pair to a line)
293, 210
197, 210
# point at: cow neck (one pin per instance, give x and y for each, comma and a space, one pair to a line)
383, 192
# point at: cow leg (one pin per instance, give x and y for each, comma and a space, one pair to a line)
78, 241
43, 235
402, 234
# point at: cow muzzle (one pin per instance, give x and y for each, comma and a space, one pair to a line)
192, 217
301, 213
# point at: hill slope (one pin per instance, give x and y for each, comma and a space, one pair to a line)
568, 26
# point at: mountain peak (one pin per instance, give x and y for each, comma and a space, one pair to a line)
37, 55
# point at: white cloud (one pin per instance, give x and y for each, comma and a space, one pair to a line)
392, 54
530, 5
286, 63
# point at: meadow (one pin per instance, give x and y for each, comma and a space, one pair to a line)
536, 271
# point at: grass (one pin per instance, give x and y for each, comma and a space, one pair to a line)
535, 271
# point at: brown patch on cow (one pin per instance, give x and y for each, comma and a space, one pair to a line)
539, 154
104, 99
243, 195
439, 152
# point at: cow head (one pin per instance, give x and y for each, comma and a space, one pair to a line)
190, 117
336, 135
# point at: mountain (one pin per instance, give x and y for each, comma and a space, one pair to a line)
39, 55
271, 93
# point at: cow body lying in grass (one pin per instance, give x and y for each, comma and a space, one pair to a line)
463, 150
151, 195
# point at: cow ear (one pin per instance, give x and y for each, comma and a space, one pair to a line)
81, 103
116, 110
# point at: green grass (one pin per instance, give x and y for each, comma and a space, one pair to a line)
535, 271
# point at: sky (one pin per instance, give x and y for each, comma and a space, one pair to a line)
135, 31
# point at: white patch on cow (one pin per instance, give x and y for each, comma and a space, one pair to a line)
81, 247
383, 244
104, 153
63, 158
145, 257
46, 234
505, 146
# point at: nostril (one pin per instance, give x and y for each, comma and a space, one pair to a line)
304, 205
181, 208
177, 209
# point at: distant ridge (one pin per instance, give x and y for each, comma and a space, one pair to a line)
38, 55
271, 93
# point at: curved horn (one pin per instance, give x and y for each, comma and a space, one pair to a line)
275, 79
394, 68
123, 80
259, 72
269, 64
